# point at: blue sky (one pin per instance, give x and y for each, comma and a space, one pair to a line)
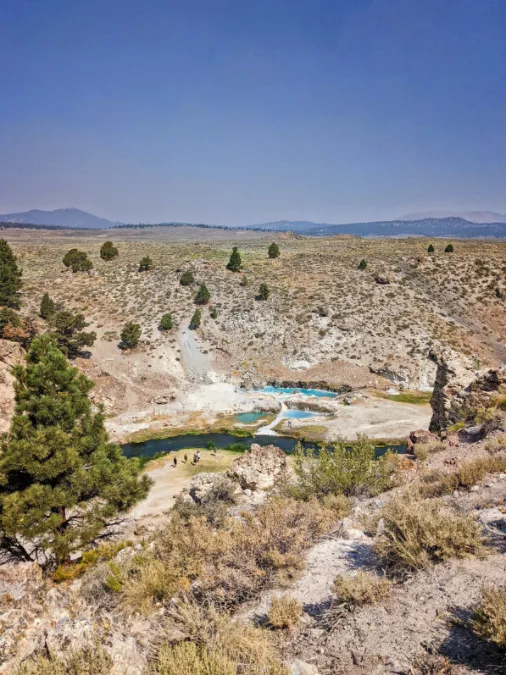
244, 111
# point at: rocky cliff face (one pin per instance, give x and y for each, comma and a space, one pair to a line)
10, 355
460, 389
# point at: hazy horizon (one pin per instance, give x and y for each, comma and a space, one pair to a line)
231, 113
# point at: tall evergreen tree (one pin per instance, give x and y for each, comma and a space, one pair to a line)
108, 251
62, 483
68, 331
47, 307
203, 296
273, 250
235, 262
10, 277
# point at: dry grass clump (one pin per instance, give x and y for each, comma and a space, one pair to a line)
438, 483
424, 450
285, 612
417, 533
432, 664
496, 444
230, 563
90, 660
489, 618
204, 641
361, 589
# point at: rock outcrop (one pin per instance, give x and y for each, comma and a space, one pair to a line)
258, 468
11, 354
460, 389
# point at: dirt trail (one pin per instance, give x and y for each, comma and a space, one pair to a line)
196, 364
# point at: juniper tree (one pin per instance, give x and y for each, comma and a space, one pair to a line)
10, 277
67, 328
362, 264
77, 260
430, 249
47, 307
203, 296
145, 264
449, 248
108, 251
63, 484
273, 250
195, 320
166, 322
130, 335
264, 291
235, 262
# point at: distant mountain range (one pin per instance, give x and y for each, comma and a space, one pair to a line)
73, 218
472, 216
408, 226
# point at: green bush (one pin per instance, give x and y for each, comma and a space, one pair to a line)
145, 264
196, 319
235, 262
264, 292
130, 335
187, 279
449, 248
47, 307
77, 260
362, 264
273, 250
489, 617
203, 296
108, 251
166, 322
430, 249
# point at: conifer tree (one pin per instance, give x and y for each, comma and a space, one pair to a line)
264, 291
47, 307
77, 260
430, 249
362, 264
449, 248
63, 484
203, 296
235, 262
187, 278
68, 331
130, 335
108, 251
166, 322
273, 250
10, 277
195, 320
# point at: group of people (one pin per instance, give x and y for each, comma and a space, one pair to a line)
195, 460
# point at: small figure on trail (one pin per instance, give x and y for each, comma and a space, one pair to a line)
197, 455
175, 462
185, 458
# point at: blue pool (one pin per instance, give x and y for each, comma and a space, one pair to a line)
249, 417
299, 414
269, 389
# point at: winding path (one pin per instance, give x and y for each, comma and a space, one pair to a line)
195, 363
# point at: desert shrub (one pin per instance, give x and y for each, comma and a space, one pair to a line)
285, 612
78, 261
166, 322
47, 307
343, 470
488, 620
417, 533
213, 313
230, 563
130, 335
449, 248
438, 483
145, 264
187, 278
423, 450
361, 589
432, 664
496, 444
204, 641
89, 660
202, 296
362, 264
273, 250
430, 248
244, 281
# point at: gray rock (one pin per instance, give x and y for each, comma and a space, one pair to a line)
303, 668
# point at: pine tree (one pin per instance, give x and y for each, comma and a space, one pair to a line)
145, 264
108, 251
130, 335
68, 331
362, 264
203, 296
264, 291
430, 249
195, 320
166, 322
235, 262
449, 248
10, 277
47, 307
273, 250
63, 483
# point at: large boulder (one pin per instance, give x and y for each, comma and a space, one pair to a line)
259, 468
207, 486
11, 354
460, 389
